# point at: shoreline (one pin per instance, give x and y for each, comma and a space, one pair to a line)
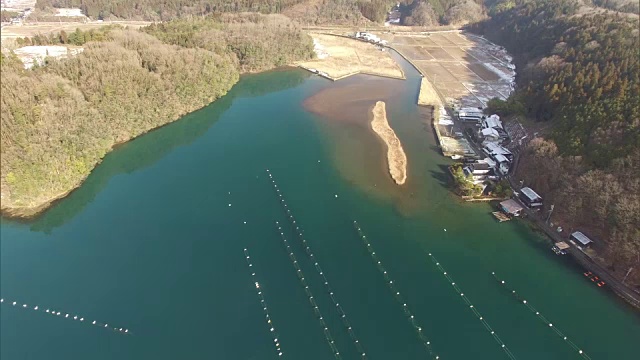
396, 157
28, 213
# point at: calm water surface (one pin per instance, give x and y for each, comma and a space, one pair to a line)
150, 243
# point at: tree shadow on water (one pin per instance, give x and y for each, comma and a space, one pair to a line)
442, 176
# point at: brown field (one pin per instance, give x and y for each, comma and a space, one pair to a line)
439, 53
483, 72
441, 40
456, 39
424, 54
426, 41
413, 52
461, 72
458, 53
452, 90
479, 55
436, 71
349, 57
458, 67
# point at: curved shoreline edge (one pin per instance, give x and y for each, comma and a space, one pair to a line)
27, 213
396, 157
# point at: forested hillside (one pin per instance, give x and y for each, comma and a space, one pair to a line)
60, 119
581, 75
305, 11
441, 12
308, 12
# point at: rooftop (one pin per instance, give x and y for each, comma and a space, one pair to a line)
530, 193
581, 238
511, 206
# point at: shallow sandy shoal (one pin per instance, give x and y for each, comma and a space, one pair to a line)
396, 156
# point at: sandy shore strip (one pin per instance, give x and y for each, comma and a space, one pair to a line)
340, 57
428, 95
396, 157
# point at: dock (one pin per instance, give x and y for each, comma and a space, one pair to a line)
500, 216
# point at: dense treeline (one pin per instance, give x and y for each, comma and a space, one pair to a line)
77, 37
604, 203
6, 16
165, 9
305, 11
59, 120
580, 73
445, 12
259, 42
629, 6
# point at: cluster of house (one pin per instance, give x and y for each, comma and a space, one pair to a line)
498, 158
22, 14
370, 38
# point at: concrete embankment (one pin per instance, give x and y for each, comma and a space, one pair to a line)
429, 96
396, 157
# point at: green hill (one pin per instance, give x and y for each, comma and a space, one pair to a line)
59, 120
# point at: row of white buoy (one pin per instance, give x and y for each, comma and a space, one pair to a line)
65, 315
343, 316
475, 311
263, 303
542, 318
307, 291
390, 284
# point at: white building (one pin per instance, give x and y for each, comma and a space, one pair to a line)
492, 121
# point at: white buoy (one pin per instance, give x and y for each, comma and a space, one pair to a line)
229, 204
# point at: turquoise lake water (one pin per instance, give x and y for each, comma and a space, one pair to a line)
149, 243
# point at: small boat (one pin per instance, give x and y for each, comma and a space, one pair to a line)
588, 273
601, 284
595, 278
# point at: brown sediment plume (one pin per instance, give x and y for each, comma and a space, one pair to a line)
396, 157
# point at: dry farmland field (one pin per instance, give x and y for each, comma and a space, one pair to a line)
466, 70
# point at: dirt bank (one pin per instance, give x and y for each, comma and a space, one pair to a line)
396, 157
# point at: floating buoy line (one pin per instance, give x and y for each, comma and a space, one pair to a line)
263, 303
542, 318
390, 284
475, 311
65, 315
307, 291
296, 226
